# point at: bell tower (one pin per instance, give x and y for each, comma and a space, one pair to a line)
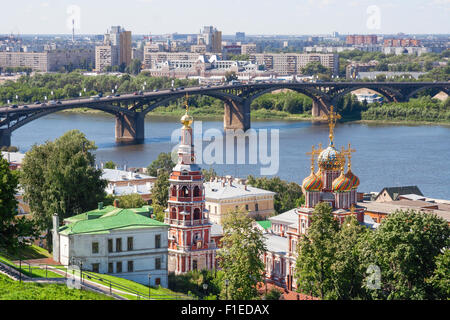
190, 247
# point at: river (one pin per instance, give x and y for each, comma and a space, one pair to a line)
386, 155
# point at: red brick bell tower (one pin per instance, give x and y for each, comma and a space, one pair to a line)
190, 245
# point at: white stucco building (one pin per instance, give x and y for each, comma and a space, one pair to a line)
124, 243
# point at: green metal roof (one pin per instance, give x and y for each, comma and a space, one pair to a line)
109, 218
266, 224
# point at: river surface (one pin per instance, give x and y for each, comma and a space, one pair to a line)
386, 155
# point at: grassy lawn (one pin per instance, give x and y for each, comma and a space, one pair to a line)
28, 252
163, 293
14, 290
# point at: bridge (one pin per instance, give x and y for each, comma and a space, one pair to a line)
130, 109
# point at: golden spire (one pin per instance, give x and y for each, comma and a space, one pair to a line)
186, 120
332, 117
186, 103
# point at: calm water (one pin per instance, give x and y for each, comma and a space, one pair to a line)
386, 155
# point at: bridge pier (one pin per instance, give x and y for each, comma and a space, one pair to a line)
236, 115
130, 128
5, 138
319, 108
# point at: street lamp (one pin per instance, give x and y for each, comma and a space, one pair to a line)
149, 282
227, 282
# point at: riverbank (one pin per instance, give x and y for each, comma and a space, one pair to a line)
208, 113
263, 114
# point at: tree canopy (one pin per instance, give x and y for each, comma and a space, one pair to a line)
60, 177
240, 255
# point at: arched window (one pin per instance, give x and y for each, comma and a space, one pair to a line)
197, 214
184, 192
173, 214
174, 191
196, 191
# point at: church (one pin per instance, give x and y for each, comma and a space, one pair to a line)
330, 184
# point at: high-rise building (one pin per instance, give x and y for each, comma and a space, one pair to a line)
361, 39
212, 38
116, 49
190, 246
240, 37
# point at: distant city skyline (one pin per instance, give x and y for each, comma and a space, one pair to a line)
257, 17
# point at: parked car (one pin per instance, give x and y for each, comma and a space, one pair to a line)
58, 102
25, 107
117, 95
14, 106
95, 98
135, 93
37, 102
52, 102
156, 90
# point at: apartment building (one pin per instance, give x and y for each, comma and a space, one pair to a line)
48, 61
292, 63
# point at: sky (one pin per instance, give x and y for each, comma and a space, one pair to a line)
254, 17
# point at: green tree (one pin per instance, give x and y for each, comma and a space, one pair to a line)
110, 165
230, 75
208, 174
316, 253
240, 256
404, 247
134, 67
287, 193
60, 177
440, 280
160, 190
133, 200
314, 68
158, 212
347, 268
164, 161
12, 228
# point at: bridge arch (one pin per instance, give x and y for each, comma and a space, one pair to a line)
390, 94
414, 92
21, 121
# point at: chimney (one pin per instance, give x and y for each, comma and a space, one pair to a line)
116, 203
125, 167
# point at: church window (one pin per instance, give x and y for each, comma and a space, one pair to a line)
130, 266
110, 245
95, 267
110, 267
119, 267
196, 191
158, 263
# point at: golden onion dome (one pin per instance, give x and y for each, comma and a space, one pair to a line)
342, 183
353, 178
312, 183
331, 159
186, 120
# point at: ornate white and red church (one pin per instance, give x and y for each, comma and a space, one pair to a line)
329, 184
190, 245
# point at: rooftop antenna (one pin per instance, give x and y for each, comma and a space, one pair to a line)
73, 30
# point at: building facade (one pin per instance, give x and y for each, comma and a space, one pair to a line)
190, 245
228, 194
124, 243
